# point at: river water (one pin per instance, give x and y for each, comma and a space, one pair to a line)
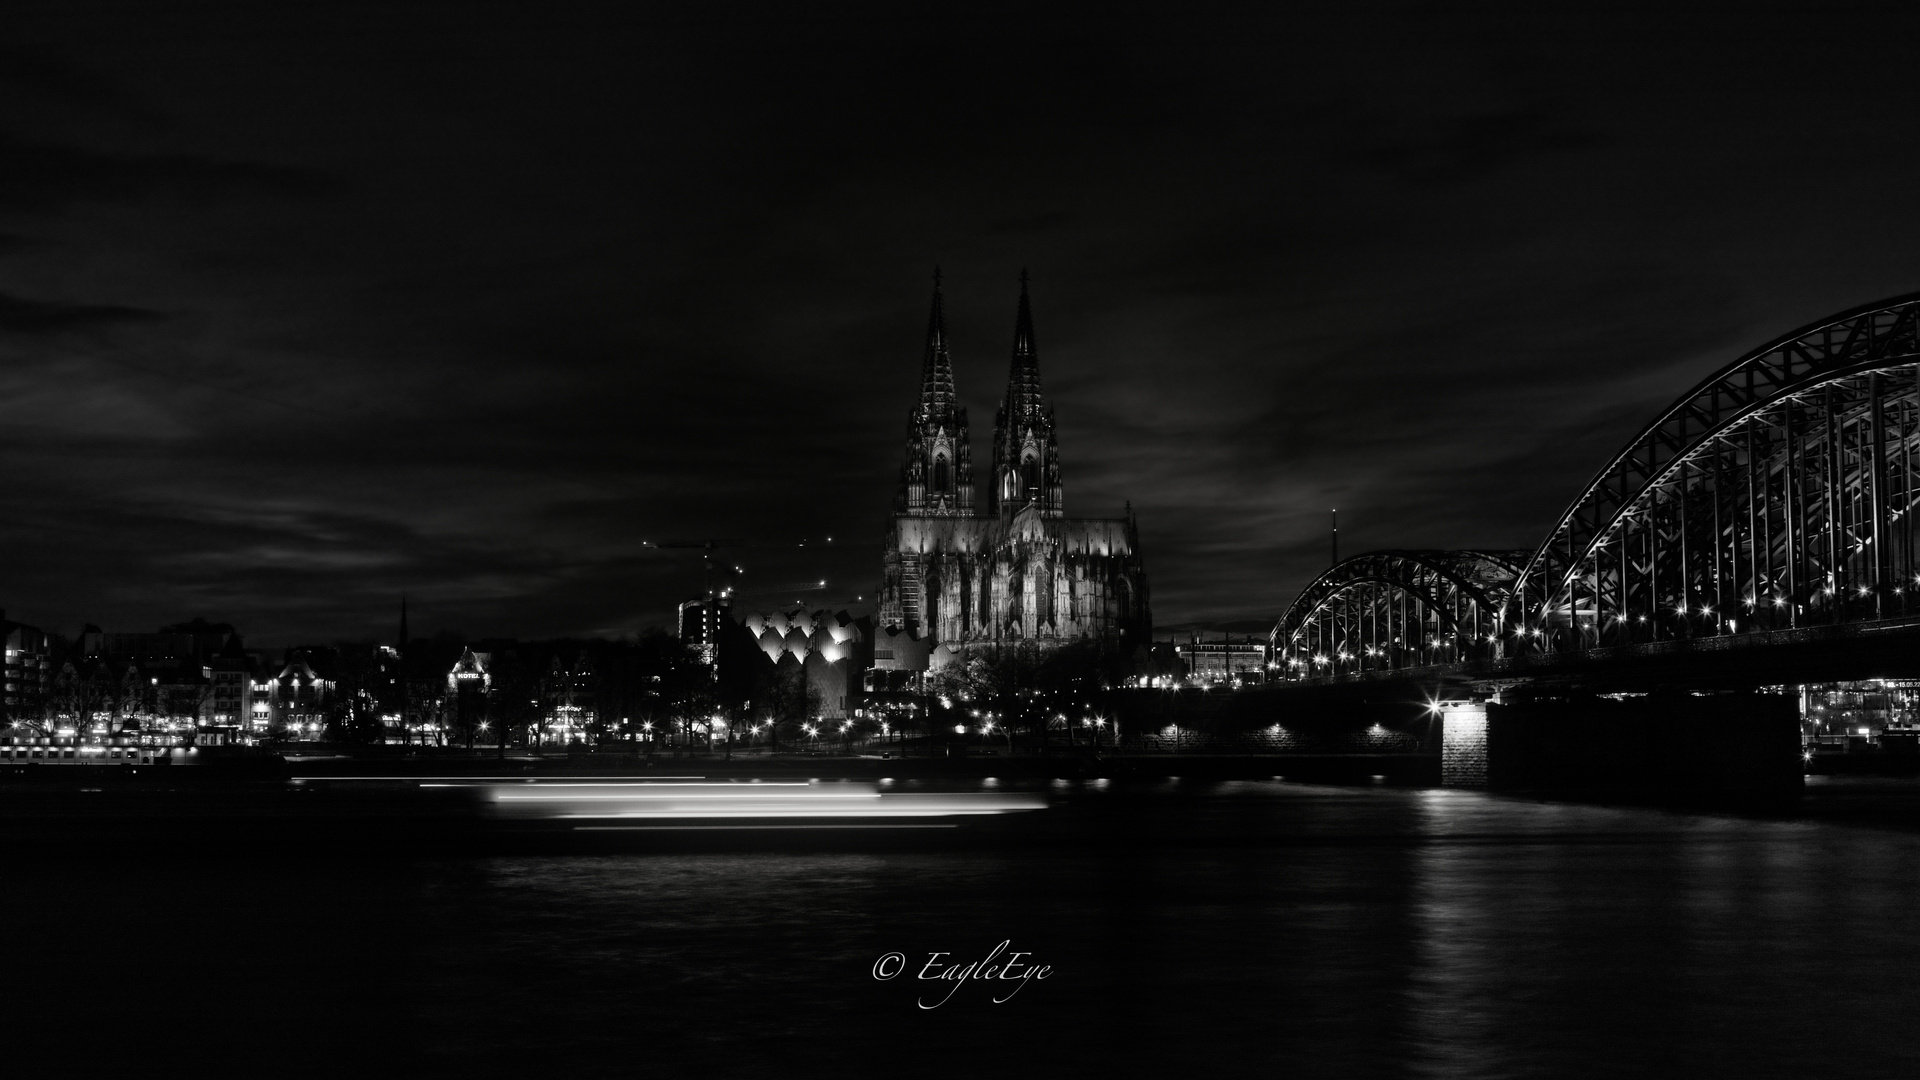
1231, 928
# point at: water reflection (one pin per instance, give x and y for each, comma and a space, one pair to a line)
1264, 927
1557, 939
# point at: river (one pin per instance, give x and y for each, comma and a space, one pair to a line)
1221, 928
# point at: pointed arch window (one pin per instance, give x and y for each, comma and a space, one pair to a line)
1030, 474
940, 477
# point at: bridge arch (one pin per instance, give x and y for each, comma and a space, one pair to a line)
1778, 493
1391, 610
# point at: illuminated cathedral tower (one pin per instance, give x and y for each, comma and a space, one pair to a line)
1026, 458
937, 476
954, 579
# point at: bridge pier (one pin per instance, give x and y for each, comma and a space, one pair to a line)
1463, 744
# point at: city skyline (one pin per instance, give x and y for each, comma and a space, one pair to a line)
302, 313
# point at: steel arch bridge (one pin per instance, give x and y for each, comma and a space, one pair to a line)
1390, 610
1777, 495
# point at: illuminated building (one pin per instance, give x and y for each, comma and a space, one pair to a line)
701, 622
1224, 661
568, 697
231, 681
468, 691
186, 680
296, 699
29, 672
470, 673
1020, 570
1860, 713
829, 650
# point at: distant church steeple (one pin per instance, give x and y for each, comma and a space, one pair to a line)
937, 476
1026, 456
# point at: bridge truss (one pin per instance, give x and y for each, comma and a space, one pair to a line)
1775, 495
1392, 610
1779, 494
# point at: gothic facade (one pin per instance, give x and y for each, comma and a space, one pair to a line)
1017, 569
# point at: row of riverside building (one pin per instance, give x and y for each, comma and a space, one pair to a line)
197, 681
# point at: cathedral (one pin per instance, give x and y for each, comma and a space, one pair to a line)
960, 575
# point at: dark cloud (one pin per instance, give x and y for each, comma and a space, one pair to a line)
1450, 150
44, 175
21, 316
583, 276
1036, 223
31, 74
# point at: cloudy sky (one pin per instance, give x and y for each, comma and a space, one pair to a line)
301, 313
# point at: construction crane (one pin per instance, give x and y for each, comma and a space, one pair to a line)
710, 614
788, 589
707, 548
709, 545
709, 611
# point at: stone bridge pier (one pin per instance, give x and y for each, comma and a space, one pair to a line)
1463, 744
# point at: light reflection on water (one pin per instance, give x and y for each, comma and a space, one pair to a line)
1625, 941
1229, 928
1316, 931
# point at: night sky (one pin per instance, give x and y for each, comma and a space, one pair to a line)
300, 313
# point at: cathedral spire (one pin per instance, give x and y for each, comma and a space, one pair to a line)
1023, 324
937, 477
936, 369
1024, 379
1026, 461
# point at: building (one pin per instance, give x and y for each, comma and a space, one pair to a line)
702, 622
294, 703
196, 641
231, 678
957, 577
567, 698
182, 680
827, 650
29, 673
1224, 661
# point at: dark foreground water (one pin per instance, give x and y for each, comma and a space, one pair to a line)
1229, 929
